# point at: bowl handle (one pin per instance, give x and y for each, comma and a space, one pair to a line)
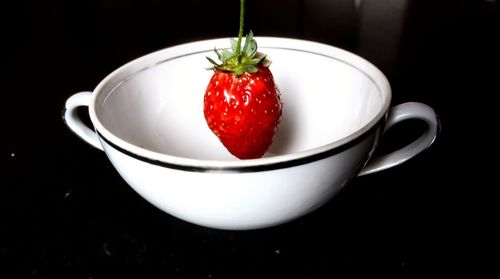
75, 123
400, 113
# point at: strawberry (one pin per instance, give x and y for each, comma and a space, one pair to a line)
242, 103
243, 112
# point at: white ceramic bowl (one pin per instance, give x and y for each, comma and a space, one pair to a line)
148, 119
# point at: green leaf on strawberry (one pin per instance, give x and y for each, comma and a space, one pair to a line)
239, 60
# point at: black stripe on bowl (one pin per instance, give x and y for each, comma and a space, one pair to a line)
250, 168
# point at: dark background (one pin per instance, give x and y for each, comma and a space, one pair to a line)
66, 213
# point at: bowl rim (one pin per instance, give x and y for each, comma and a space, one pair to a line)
249, 165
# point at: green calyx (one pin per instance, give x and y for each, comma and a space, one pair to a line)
240, 60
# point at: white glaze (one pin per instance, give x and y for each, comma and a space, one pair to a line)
334, 103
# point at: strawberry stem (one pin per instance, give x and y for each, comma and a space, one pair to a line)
240, 60
240, 32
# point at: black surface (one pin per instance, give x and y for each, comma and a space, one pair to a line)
66, 213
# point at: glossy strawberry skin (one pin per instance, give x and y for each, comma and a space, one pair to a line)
243, 112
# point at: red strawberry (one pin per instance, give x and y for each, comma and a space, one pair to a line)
242, 104
243, 112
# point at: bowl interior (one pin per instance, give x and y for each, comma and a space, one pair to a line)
159, 107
